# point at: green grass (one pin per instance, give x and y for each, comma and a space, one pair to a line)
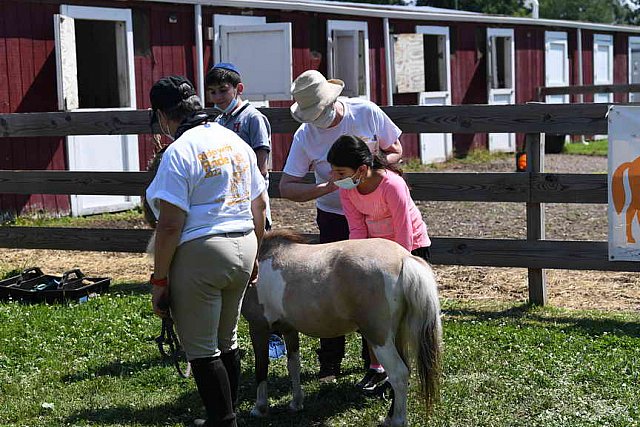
591, 148
473, 157
505, 365
47, 220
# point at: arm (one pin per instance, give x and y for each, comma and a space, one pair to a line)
293, 188
399, 202
259, 213
168, 233
262, 156
258, 210
393, 152
356, 219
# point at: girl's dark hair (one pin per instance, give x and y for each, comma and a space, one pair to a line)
184, 109
349, 151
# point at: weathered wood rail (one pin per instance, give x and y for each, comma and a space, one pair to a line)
586, 89
532, 188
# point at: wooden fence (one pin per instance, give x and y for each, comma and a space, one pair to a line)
534, 188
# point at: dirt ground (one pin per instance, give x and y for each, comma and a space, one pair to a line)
566, 288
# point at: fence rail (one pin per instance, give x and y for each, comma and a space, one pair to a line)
532, 188
474, 187
525, 118
586, 89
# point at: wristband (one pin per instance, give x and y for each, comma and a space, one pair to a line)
158, 282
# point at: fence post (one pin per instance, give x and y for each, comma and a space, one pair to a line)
535, 218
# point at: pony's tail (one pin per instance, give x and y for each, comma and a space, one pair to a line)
423, 329
617, 186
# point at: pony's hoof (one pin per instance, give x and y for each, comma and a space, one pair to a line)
295, 407
260, 411
388, 422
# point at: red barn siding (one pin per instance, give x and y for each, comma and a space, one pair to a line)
27, 53
28, 84
530, 65
469, 78
172, 52
620, 64
587, 62
28, 74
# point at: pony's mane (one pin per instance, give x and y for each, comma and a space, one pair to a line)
283, 234
276, 238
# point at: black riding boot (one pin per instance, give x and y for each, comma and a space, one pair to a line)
213, 386
231, 361
330, 355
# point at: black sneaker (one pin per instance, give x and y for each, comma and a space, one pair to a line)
377, 379
367, 377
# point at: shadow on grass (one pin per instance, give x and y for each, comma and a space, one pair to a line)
577, 323
132, 288
321, 404
118, 369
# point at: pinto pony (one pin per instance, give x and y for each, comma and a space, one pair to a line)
617, 190
327, 290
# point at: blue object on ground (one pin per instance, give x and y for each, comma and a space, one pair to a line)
277, 348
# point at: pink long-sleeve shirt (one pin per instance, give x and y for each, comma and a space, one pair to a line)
388, 212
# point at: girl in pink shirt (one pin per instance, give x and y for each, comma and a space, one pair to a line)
377, 203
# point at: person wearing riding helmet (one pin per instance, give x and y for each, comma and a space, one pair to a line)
377, 203
208, 196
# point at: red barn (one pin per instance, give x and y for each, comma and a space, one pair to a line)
105, 54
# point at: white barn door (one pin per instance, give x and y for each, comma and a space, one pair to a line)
634, 66
435, 147
556, 64
267, 66
603, 65
348, 56
95, 70
501, 80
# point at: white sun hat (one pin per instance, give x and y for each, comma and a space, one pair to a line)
313, 93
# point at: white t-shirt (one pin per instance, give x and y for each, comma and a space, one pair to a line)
212, 175
311, 144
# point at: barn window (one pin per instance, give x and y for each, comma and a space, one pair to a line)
500, 62
435, 65
97, 59
348, 59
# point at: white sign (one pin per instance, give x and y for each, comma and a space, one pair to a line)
624, 183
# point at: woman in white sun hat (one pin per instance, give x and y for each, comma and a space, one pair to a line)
325, 117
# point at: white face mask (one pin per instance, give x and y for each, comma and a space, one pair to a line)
230, 107
348, 183
326, 118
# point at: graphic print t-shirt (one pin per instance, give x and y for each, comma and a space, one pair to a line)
212, 175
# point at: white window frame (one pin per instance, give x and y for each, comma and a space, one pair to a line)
444, 32
504, 32
350, 26
606, 39
230, 20
563, 38
109, 14
633, 40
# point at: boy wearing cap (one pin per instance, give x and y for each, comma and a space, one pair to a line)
223, 89
324, 118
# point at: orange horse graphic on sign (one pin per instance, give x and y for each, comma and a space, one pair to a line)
619, 196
